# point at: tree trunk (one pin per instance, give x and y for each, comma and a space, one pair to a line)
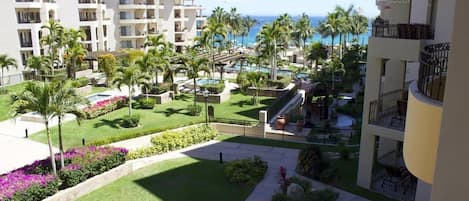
156, 77
195, 93
304, 53
317, 66
61, 146
340, 45
332, 46
130, 100
221, 72
3, 81
51, 152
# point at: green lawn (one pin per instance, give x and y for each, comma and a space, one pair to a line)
181, 179
166, 116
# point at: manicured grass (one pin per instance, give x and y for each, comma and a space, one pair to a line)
5, 100
348, 180
163, 117
174, 180
98, 90
274, 143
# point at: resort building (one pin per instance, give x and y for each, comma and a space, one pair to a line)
177, 20
415, 119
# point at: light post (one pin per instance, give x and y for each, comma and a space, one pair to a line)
205, 93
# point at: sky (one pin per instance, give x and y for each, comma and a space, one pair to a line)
292, 7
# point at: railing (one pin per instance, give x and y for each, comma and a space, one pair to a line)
382, 28
387, 112
432, 72
281, 101
26, 43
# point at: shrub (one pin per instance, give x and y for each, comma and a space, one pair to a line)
194, 110
80, 82
104, 107
146, 103
311, 162
158, 89
280, 197
213, 88
280, 83
324, 195
173, 140
305, 184
249, 170
130, 121
19, 185
328, 175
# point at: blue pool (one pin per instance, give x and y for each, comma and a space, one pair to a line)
253, 68
98, 97
207, 81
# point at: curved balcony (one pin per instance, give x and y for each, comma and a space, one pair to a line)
424, 112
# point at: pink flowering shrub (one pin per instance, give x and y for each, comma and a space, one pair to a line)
105, 106
35, 182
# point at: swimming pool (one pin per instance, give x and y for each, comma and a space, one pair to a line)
98, 97
207, 81
254, 68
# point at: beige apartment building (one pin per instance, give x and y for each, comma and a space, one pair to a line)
414, 131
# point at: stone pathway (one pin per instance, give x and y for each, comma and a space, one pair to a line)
275, 157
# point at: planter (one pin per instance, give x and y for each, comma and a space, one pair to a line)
280, 122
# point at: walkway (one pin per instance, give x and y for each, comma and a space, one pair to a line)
275, 157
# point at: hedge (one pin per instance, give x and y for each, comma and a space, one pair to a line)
173, 140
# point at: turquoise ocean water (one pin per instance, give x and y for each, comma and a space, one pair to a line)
251, 39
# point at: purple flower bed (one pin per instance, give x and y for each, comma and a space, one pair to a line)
35, 182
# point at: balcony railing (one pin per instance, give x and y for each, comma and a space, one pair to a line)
389, 110
26, 44
432, 72
382, 28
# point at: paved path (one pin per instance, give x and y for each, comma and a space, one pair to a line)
275, 157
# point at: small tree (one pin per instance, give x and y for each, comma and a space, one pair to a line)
256, 80
130, 77
5, 63
335, 66
107, 64
194, 64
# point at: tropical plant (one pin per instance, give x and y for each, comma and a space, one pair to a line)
344, 26
358, 25
317, 52
5, 63
74, 51
213, 36
107, 64
39, 97
247, 24
302, 32
193, 64
256, 80
155, 41
234, 23
333, 67
148, 64
40, 64
330, 27
131, 77
268, 39
53, 41
64, 101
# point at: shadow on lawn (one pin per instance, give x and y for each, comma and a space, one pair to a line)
183, 97
115, 123
171, 111
201, 180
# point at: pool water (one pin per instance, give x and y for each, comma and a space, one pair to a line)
207, 81
343, 121
98, 97
254, 68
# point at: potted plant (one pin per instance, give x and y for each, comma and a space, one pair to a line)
280, 122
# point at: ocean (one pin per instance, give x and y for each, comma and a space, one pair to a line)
251, 39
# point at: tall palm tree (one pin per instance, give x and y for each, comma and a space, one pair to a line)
131, 77
234, 23
40, 64
39, 97
256, 80
148, 64
155, 41
193, 64
66, 100
358, 25
335, 66
268, 40
107, 64
344, 26
303, 31
317, 51
53, 41
248, 23
218, 15
5, 63
74, 51
213, 36
330, 27
286, 22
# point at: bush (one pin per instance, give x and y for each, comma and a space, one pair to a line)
104, 107
324, 195
80, 82
158, 89
280, 197
249, 170
329, 175
130, 121
354, 110
305, 184
173, 140
311, 162
146, 103
281, 83
213, 88
194, 110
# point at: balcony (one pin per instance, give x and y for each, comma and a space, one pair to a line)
425, 112
389, 111
432, 72
26, 44
382, 29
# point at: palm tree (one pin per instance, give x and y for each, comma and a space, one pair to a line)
54, 41
256, 80
5, 63
130, 77
286, 22
40, 64
247, 24
39, 97
74, 52
234, 23
155, 41
303, 31
358, 24
148, 64
107, 64
268, 40
214, 33
330, 27
317, 51
66, 100
218, 15
335, 66
344, 26
194, 64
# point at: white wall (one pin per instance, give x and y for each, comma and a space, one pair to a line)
420, 10
9, 40
444, 21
